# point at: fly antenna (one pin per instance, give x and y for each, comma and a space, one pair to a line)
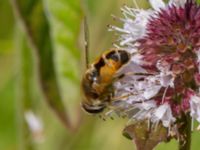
86, 42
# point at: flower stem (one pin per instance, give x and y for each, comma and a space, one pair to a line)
185, 133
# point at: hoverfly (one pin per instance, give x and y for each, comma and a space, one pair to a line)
97, 82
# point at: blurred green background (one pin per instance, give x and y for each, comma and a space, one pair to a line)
20, 89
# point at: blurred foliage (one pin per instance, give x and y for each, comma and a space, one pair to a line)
19, 88
32, 16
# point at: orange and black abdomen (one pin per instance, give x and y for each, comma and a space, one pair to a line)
113, 61
97, 81
121, 56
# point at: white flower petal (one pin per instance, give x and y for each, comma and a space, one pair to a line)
159, 113
137, 58
198, 59
163, 113
134, 28
148, 105
145, 110
198, 55
157, 4
167, 80
195, 107
151, 92
178, 3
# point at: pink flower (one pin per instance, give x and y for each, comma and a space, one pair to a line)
165, 45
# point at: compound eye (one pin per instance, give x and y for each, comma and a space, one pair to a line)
92, 76
113, 55
124, 57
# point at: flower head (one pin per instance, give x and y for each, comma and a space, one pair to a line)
165, 46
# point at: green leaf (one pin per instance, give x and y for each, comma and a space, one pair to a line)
36, 25
65, 18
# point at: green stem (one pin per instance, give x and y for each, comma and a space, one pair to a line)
185, 133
